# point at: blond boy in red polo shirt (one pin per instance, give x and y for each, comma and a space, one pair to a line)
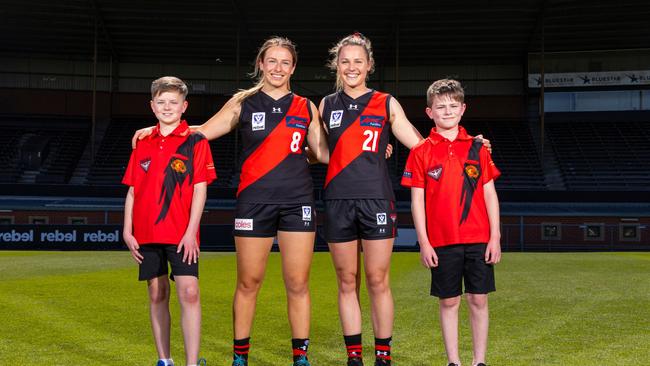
167, 175
456, 215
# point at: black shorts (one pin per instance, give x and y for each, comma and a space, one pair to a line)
265, 220
461, 262
352, 219
154, 263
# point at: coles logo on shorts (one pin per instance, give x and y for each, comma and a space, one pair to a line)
244, 224
306, 213
381, 218
258, 120
335, 118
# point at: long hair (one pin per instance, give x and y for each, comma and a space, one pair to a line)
259, 74
356, 39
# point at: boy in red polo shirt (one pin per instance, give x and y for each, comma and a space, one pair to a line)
456, 215
167, 175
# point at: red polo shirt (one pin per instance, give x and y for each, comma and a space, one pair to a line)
436, 164
163, 171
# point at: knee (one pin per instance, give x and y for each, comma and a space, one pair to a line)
159, 294
377, 281
347, 282
249, 285
450, 303
189, 295
297, 285
477, 301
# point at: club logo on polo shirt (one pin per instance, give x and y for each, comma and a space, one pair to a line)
435, 173
258, 121
144, 164
471, 171
335, 118
306, 213
244, 224
393, 217
381, 218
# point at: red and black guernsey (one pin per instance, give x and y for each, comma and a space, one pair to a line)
163, 171
358, 137
274, 167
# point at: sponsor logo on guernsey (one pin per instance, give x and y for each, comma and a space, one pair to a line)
144, 164
306, 213
258, 121
407, 174
372, 121
335, 118
381, 218
353, 107
435, 173
277, 110
244, 224
296, 122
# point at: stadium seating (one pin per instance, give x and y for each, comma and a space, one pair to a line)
603, 155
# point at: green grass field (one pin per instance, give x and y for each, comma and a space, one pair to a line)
87, 308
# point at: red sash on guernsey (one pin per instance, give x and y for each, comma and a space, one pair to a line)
276, 146
350, 144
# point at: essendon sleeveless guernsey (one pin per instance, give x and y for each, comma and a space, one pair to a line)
358, 136
274, 167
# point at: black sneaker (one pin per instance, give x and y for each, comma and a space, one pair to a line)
382, 362
355, 361
481, 364
453, 364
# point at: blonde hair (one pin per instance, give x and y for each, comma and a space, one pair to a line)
259, 74
449, 87
168, 83
356, 39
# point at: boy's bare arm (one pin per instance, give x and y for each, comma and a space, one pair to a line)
493, 251
127, 231
189, 242
427, 253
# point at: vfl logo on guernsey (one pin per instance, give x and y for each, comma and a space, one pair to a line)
244, 224
306, 213
144, 164
372, 121
296, 122
335, 118
381, 218
258, 121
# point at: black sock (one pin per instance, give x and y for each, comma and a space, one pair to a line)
382, 348
299, 346
353, 345
240, 348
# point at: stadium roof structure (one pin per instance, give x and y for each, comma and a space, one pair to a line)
412, 31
